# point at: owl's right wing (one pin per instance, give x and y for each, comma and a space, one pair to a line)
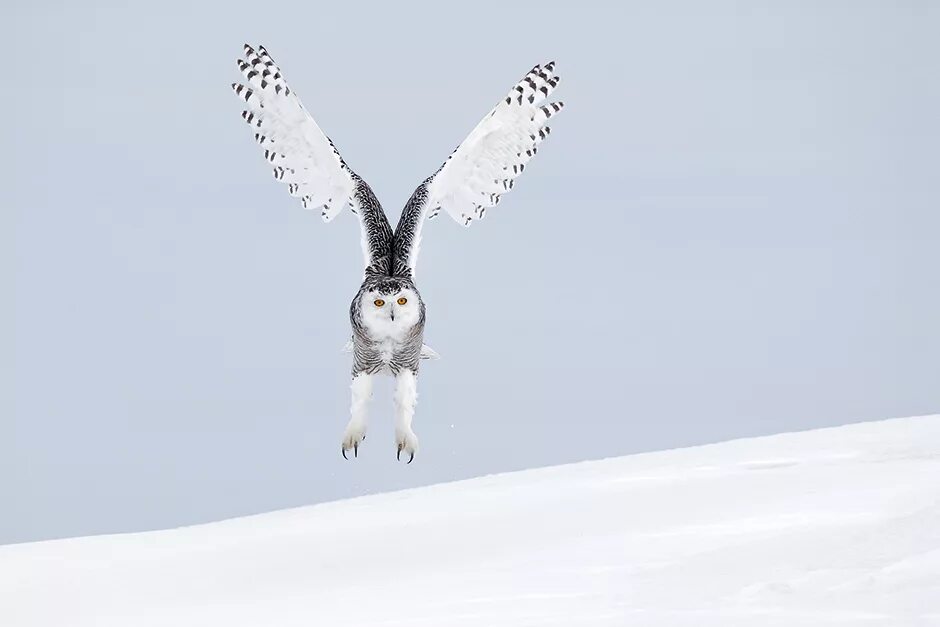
304, 157
485, 165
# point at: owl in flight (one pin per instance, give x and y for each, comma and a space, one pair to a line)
387, 313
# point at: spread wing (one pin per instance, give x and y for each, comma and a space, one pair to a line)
304, 158
484, 166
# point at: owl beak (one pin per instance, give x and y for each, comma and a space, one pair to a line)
392, 313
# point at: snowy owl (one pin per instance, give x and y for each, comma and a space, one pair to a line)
387, 313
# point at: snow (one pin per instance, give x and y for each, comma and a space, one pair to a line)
829, 527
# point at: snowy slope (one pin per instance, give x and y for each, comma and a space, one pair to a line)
830, 527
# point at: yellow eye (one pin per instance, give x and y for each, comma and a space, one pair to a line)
402, 300
379, 302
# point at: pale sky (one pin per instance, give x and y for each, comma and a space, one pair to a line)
732, 231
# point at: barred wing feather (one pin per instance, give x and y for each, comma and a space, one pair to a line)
487, 162
485, 165
303, 157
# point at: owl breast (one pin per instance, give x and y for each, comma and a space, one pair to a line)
388, 349
388, 328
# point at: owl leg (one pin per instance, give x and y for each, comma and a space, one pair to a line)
356, 428
406, 397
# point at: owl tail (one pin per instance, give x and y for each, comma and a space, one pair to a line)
426, 351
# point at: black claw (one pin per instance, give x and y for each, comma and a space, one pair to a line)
344, 454
398, 455
412, 458
356, 449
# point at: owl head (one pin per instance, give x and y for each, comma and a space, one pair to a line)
391, 301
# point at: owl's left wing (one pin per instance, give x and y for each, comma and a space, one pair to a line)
485, 165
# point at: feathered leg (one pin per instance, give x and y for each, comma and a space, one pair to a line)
356, 428
406, 397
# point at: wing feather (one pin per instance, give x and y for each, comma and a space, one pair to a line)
485, 165
497, 150
304, 158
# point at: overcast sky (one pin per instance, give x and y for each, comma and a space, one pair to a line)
732, 231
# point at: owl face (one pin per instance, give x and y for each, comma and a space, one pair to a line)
390, 309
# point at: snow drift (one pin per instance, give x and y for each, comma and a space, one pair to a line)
830, 527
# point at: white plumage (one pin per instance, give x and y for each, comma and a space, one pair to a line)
302, 155
497, 150
388, 315
475, 176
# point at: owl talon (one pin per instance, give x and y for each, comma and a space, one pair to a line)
353, 437
407, 442
411, 458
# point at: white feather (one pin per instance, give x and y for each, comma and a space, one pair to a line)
495, 152
301, 154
